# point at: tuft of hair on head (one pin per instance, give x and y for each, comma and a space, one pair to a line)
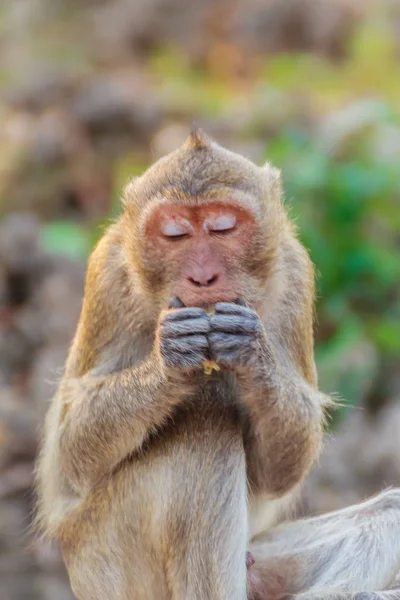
197, 139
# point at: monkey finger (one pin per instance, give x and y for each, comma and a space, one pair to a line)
220, 342
185, 344
232, 324
185, 327
190, 312
230, 308
175, 302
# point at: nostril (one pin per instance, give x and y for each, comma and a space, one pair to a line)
203, 282
196, 283
212, 280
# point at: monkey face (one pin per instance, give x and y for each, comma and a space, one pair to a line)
203, 224
200, 250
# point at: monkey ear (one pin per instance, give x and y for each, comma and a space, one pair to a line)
274, 180
127, 195
197, 139
274, 174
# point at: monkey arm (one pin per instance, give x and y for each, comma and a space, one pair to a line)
284, 428
285, 409
104, 418
283, 413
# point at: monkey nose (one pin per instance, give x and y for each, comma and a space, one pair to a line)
203, 280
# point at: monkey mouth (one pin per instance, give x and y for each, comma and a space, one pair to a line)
205, 298
208, 304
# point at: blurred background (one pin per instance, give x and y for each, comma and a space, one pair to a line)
91, 93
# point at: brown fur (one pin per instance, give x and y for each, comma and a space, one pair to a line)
142, 474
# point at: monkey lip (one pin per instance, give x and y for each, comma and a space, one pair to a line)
205, 298
208, 302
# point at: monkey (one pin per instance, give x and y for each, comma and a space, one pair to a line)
163, 478
343, 555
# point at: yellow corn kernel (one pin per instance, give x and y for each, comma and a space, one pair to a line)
209, 366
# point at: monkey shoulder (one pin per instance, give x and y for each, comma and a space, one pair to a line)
289, 308
112, 333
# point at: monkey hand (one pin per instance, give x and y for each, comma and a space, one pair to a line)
183, 338
236, 337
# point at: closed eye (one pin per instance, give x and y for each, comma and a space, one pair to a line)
222, 232
175, 230
221, 224
175, 238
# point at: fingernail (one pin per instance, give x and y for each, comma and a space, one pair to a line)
175, 302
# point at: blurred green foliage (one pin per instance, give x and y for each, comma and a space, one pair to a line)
67, 238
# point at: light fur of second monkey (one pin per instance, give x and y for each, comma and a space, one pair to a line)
153, 501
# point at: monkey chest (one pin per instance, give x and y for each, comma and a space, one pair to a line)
212, 413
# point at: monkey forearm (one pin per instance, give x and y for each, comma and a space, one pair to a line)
285, 432
103, 419
285, 413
